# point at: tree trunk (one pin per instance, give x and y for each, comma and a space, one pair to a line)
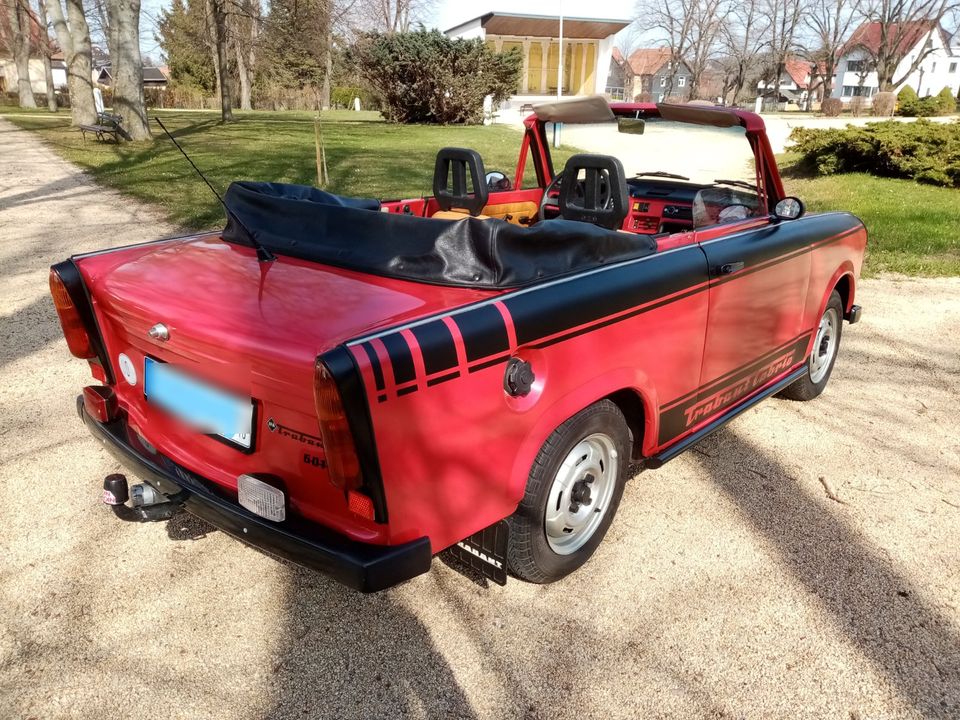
327, 72
47, 68
220, 40
74, 39
244, 74
127, 67
19, 20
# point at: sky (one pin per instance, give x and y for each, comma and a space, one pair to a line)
446, 14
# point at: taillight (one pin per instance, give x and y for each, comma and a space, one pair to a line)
343, 465
78, 340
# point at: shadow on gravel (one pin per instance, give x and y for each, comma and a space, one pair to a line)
28, 330
882, 614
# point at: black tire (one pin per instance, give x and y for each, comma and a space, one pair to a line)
805, 388
530, 555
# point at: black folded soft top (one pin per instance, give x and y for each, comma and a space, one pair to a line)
311, 224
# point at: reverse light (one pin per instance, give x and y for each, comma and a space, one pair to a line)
78, 340
338, 446
260, 498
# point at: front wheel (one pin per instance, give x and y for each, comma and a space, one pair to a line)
572, 494
823, 356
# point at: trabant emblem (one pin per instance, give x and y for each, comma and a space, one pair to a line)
159, 332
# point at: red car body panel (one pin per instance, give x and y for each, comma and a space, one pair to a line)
665, 333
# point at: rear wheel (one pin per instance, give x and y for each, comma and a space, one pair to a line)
826, 345
572, 494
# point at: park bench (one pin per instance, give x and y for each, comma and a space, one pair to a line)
106, 124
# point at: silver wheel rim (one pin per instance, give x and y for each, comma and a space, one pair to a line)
825, 345
581, 492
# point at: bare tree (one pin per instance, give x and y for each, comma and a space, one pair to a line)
19, 19
673, 22
784, 17
828, 22
126, 67
391, 16
703, 42
742, 36
244, 25
46, 50
73, 34
901, 24
217, 21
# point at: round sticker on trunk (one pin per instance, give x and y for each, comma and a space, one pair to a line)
127, 369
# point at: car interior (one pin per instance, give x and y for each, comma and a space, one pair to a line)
591, 188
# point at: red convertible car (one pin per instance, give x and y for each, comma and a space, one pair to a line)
357, 385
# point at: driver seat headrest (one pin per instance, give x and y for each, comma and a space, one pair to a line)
608, 208
452, 194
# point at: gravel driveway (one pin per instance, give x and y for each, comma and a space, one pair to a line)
803, 562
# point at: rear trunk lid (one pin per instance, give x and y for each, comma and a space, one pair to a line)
253, 329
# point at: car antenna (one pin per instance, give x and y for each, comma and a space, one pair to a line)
263, 255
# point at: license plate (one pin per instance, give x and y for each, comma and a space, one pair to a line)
208, 409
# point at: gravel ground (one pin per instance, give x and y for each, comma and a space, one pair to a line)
731, 584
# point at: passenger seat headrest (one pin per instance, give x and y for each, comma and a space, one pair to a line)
459, 162
602, 198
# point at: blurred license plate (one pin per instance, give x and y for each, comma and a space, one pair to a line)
206, 408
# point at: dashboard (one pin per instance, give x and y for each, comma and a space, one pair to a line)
660, 206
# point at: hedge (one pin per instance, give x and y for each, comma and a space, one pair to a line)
924, 151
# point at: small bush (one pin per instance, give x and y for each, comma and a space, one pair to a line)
884, 103
908, 102
858, 103
946, 104
923, 151
424, 76
831, 107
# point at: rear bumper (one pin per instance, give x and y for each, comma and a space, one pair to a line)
361, 566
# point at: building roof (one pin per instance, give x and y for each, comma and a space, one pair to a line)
153, 74
648, 61
500, 23
799, 71
868, 36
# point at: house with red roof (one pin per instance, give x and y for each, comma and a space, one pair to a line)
800, 84
926, 41
648, 74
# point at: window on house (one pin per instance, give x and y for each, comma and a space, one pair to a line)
934, 66
848, 90
660, 97
953, 67
855, 65
681, 81
663, 81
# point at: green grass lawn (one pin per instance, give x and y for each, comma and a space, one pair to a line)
365, 156
914, 229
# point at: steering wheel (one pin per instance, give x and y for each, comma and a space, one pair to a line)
551, 196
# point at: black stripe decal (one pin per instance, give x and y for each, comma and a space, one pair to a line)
585, 299
711, 400
718, 381
436, 346
400, 358
483, 331
374, 364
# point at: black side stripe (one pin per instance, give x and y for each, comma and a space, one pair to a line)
400, 358
483, 332
436, 346
375, 365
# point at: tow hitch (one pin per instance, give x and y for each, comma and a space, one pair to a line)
147, 503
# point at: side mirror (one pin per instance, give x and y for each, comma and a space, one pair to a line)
497, 181
790, 208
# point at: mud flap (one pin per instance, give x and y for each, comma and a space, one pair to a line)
486, 552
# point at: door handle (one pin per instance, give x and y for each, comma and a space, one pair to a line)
730, 268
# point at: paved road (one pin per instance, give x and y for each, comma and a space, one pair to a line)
730, 584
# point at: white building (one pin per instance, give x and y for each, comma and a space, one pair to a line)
587, 47
939, 69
